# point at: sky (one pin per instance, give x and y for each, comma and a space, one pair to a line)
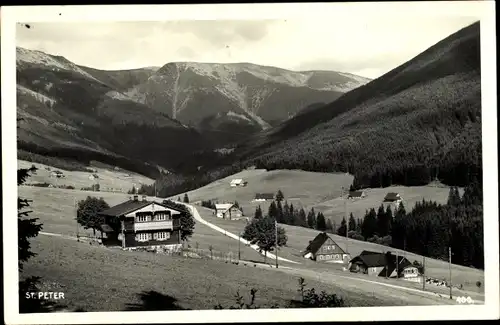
367, 46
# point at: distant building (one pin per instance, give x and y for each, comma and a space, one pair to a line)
261, 197
394, 198
237, 182
323, 249
380, 264
227, 211
56, 173
93, 176
356, 195
142, 223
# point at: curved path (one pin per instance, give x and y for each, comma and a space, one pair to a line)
198, 218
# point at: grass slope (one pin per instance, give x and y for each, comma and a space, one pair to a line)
321, 191
87, 275
109, 180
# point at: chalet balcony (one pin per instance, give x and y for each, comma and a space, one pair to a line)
153, 225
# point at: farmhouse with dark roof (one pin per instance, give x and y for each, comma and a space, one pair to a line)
323, 249
385, 265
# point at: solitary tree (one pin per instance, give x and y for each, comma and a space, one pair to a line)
262, 232
186, 198
87, 214
279, 196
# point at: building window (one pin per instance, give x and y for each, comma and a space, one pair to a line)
142, 218
143, 236
161, 216
162, 235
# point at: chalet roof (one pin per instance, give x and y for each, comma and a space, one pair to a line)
129, 206
376, 259
356, 193
317, 242
236, 181
391, 196
265, 196
223, 206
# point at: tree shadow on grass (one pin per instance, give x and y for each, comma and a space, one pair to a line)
153, 300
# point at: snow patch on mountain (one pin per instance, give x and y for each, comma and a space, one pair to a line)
359, 79
239, 116
39, 97
24, 56
117, 95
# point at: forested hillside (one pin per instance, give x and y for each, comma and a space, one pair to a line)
418, 122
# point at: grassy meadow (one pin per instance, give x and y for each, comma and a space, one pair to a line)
54, 207
109, 180
321, 191
88, 276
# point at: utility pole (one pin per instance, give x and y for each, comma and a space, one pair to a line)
397, 264
423, 273
276, 234
239, 252
449, 264
346, 224
77, 226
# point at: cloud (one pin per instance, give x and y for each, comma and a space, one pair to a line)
366, 45
221, 32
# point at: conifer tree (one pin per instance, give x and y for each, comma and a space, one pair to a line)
273, 210
352, 223
369, 224
302, 218
311, 219
320, 222
343, 228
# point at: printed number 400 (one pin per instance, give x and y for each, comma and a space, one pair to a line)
465, 300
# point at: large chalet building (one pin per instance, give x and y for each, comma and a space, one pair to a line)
323, 249
141, 223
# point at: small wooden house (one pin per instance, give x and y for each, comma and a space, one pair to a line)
324, 249
392, 197
228, 211
142, 223
262, 197
356, 195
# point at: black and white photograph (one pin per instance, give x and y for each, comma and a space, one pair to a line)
293, 162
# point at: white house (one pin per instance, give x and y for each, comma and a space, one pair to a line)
237, 182
228, 211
